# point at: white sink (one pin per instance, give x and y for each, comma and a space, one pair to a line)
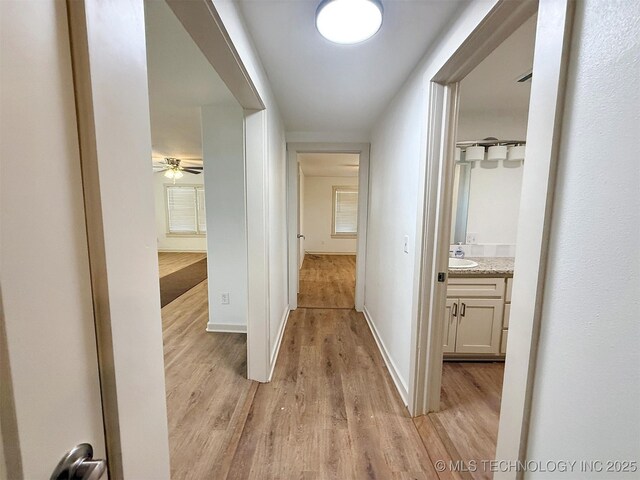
461, 263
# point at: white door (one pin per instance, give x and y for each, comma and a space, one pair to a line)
479, 325
450, 326
49, 366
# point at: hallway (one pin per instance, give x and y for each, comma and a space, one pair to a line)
331, 409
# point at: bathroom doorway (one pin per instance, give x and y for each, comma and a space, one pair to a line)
436, 302
490, 149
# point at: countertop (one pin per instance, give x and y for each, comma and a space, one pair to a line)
487, 267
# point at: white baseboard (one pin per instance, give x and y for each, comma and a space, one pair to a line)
276, 350
226, 328
393, 370
330, 253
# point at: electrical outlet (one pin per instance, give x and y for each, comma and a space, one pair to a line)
471, 239
406, 244
224, 298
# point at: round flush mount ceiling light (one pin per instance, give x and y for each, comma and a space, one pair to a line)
349, 21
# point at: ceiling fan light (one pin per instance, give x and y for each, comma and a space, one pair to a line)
348, 21
169, 173
178, 174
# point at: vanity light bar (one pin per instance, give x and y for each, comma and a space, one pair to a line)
490, 150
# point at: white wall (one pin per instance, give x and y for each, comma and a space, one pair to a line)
318, 210
587, 380
397, 175
168, 243
223, 158
277, 301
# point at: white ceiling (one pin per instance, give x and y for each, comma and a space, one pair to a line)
492, 85
324, 87
329, 164
181, 80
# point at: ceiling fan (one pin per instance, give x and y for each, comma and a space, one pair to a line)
173, 170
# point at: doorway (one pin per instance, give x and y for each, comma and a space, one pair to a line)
327, 208
198, 162
549, 64
328, 229
489, 166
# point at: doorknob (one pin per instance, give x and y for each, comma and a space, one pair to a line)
79, 464
301, 236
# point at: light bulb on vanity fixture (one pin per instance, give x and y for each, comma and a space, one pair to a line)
474, 153
515, 156
495, 153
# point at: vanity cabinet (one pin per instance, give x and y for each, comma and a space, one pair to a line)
474, 316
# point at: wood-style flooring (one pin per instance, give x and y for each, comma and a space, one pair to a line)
331, 411
208, 394
466, 427
327, 281
170, 262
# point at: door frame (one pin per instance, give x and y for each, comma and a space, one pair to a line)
293, 202
126, 292
543, 137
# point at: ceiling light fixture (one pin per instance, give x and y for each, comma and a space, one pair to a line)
349, 21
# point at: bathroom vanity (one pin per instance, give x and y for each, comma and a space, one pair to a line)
476, 321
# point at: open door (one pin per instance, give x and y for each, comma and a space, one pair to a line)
51, 399
301, 237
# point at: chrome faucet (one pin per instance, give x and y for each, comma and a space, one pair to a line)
458, 252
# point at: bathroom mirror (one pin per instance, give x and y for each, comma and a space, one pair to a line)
486, 203
460, 207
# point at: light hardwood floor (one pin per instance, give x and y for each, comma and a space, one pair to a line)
208, 394
331, 411
466, 427
170, 262
327, 281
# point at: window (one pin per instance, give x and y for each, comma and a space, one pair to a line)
186, 210
345, 212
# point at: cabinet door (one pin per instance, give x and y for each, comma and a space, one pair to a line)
479, 325
450, 324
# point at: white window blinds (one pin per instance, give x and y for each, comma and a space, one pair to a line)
345, 211
185, 210
202, 217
